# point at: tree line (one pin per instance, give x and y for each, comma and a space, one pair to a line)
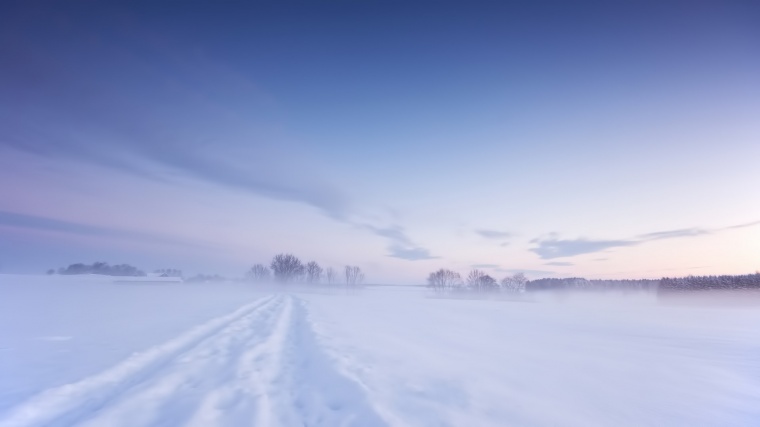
701, 283
579, 283
287, 268
448, 281
100, 268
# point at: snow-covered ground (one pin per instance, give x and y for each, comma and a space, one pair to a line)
90, 352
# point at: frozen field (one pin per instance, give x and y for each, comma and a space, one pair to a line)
90, 352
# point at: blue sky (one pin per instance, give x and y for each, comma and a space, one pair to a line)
585, 138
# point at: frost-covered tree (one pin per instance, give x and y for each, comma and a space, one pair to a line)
286, 268
313, 272
331, 276
258, 273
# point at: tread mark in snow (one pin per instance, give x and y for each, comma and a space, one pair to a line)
260, 365
71, 403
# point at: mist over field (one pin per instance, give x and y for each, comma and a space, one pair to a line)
371, 213
97, 350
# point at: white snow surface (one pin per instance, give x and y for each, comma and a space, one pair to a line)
87, 351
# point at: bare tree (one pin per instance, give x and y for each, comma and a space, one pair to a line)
313, 272
481, 282
521, 281
331, 275
258, 273
474, 278
514, 283
354, 275
286, 268
488, 284
444, 280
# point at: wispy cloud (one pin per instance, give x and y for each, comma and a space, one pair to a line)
527, 272
485, 266
272, 177
45, 224
33, 222
493, 234
261, 181
749, 224
552, 246
409, 254
196, 126
672, 234
400, 245
559, 263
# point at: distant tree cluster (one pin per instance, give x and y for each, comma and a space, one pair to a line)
354, 275
101, 268
287, 268
448, 281
481, 282
313, 272
579, 283
168, 272
258, 273
700, 283
515, 283
444, 280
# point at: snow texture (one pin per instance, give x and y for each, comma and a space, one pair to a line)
385, 357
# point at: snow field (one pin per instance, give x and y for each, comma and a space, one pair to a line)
258, 365
382, 357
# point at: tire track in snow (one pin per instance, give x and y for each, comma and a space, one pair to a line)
287, 380
68, 404
308, 390
209, 369
247, 398
260, 365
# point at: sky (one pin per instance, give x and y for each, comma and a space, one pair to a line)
594, 139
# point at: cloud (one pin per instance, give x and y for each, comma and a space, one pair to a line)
32, 222
271, 177
38, 223
266, 183
672, 234
553, 247
485, 266
189, 116
749, 224
400, 245
409, 254
493, 234
527, 272
559, 263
